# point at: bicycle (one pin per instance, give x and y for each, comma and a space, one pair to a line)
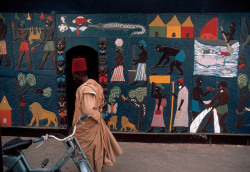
14, 159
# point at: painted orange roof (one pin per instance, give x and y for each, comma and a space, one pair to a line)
174, 22
157, 22
4, 105
188, 22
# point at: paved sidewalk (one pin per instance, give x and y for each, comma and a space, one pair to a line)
155, 157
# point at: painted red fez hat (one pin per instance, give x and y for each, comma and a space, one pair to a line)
50, 18
181, 80
79, 64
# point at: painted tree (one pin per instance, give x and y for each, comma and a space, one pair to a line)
242, 81
137, 96
21, 82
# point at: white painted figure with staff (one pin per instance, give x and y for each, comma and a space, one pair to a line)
181, 116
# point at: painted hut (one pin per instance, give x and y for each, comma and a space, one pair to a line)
174, 28
210, 30
5, 113
157, 28
187, 29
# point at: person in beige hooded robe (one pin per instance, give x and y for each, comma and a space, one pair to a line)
98, 143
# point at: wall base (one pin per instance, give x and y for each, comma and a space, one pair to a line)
197, 138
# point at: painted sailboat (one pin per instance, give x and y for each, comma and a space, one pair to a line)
215, 57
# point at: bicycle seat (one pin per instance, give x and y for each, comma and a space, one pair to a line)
16, 145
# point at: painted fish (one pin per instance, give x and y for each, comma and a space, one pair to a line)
224, 53
80, 20
226, 71
209, 60
205, 51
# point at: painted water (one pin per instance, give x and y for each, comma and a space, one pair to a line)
211, 58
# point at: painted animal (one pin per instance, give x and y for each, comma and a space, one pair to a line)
39, 114
35, 36
125, 123
113, 122
209, 60
81, 20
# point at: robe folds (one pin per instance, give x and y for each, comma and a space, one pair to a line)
98, 143
181, 117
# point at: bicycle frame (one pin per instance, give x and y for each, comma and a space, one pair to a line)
18, 162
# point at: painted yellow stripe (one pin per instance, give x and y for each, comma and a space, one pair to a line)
163, 79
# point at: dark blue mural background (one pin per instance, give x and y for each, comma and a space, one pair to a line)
47, 78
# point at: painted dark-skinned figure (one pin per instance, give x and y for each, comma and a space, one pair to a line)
221, 107
118, 74
24, 46
98, 143
102, 44
62, 110
49, 43
103, 73
181, 116
60, 45
179, 59
231, 32
160, 103
167, 52
3, 49
61, 78
141, 62
197, 93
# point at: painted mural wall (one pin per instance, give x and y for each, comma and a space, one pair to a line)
160, 72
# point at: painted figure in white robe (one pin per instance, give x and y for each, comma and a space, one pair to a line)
181, 116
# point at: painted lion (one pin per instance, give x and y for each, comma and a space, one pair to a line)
39, 114
125, 123
112, 121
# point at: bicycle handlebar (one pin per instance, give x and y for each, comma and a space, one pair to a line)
83, 117
38, 140
51, 136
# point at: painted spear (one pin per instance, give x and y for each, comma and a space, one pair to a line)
172, 107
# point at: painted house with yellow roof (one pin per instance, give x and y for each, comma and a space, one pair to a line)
187, 29
174, 28
157, 28
5, 113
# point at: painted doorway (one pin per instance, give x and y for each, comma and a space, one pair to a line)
91, 56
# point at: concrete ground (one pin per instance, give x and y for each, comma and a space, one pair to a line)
155, 157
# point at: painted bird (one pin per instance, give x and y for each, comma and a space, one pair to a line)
80, 20
77, 29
